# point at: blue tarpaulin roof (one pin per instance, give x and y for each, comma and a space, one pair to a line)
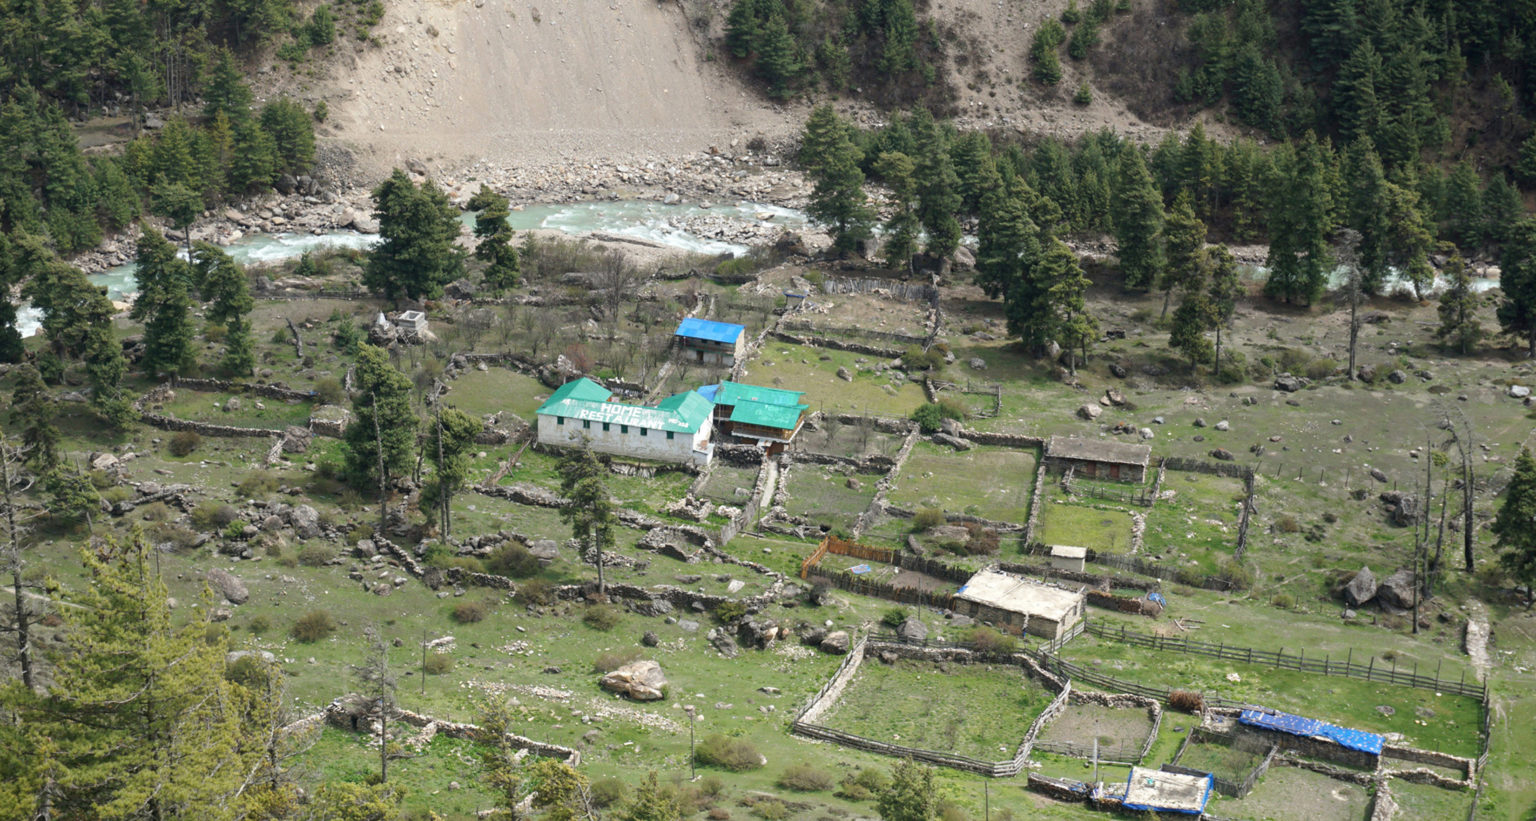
707, 329
1298, 725
1158, 791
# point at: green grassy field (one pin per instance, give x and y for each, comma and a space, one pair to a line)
984, 712
825, 497
1293, 794
1199, 523
813, 370
1101, 528
993, 483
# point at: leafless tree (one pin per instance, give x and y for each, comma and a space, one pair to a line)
546, 324
1462, 433
1347, 252
378, 686
615, 282
16, 539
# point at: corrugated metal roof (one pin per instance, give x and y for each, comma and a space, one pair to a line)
731, 393
762, 414
709, 329
583, 389
681, 413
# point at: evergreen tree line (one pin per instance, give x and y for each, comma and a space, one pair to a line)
878, 45
1293, 196
48, 187
1407, 74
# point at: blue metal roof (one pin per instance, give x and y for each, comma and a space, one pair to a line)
1149, 804
1308, 727
709, 329
708, 391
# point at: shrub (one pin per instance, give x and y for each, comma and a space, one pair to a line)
260, 483
915, 358
535, 591
156, 512
235, 531
184, 442
438, 664
953, 408
1187, 700
729, 611
894, 617
313, 626
734, 754
1286, 523
173, 534
1284, 601
1321, 368
1190, 575
927, 518
607, 791
1236, 574
600, 617
329, 391
259, 625
512, 560
1084, 95
719, 814
863, 785
805, 777
983, 541
770, 809
988, 640
468, 612
613, 660
316, 554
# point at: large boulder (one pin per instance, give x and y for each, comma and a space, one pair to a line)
296, 439
546, 551
836, 642
913, 629
1090, 411
641, 681
225, 584
1403, 509
1361, 589
305, 521
1396, 590
1288, 383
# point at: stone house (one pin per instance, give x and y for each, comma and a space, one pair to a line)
708, 342
677, 429
1099, 458
1019, 604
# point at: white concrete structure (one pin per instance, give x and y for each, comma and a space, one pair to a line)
1066, 557
678, 429
1023, 605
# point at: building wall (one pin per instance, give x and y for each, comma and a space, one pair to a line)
653, 445
714, 353
1015, 622
1100, 470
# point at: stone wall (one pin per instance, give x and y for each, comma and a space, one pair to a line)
254, 388
838, 345
1006, 440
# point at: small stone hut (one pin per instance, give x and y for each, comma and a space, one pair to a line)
1020, 604
1099, 458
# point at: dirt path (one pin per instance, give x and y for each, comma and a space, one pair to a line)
1476, 640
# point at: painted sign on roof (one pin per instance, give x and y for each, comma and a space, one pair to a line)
682, 413
709, 329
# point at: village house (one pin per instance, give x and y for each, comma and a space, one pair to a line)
709, 342
768, 417
677, 429
1019, 604
1098, 458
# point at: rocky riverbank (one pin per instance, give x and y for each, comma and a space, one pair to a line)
710, 178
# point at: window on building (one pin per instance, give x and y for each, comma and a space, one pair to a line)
559, 420
605, 427
669, 434
642, 431
623, 429
586, 423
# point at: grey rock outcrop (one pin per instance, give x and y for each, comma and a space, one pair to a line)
836, 642
1361, 589
640, 680
225, 584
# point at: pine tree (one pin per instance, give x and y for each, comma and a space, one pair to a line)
450, 440
1300, 220
381, 410
1365, 191
226, 92
1076, 329
1354, 95
938, 191
224, 285
1138, 222
11, 347
911, 794
293, 134
972, 158
838, 200
779, 60
1517, 285
1516, 539
1042, 53
416, 256
1195, 315
1225, 288
163, 305
651, 803
144, 722
902, 226
495, 235
33, 411
1464, 208
1184, 241
1007, 250
1410, 237
589, 510
1502, 208
1459, 325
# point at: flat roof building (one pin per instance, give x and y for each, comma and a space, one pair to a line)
1158, 791
677, 429
709, 342
1099, 458
1021, 604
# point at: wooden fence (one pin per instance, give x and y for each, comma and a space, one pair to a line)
1299, 662
883, 590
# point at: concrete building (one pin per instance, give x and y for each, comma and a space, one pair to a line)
413, 321
709, 342
1164, 792
678, 429
1020, 604
1099, 458
768, 417
1066, 557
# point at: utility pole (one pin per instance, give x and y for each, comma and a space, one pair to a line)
693, 766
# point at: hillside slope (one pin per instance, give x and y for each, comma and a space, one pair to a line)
520, 82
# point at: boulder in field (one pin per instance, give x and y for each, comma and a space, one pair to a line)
225, 584
1361, 589
640, 680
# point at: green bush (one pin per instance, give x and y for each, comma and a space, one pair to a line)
805, 777
235, 531
156, 512
893, 617
729, 611
313, 626
468, 612
914, 358
600, 617
259, 625
316, 554
535, 591
1321, 368
863, 785
329, 391
608, 791
1235, 573
184, 442
257, 485
1084, 95
1284, 601
610, 661
438, 664
930, 417
512, 560
1190, 575
734, 754
988, 640
770, 809
927, 518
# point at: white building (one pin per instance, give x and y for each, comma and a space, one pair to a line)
678, 429
1020, 604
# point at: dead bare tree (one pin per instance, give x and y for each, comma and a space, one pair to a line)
1462, 432
16, 531
1347, 251
378, 686
615, 282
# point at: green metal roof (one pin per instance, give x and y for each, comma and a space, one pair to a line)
734, 393
583, 389
762, 414
682, 413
